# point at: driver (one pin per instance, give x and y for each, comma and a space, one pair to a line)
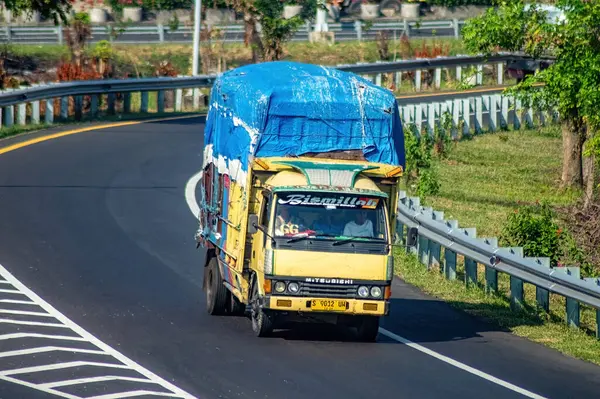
284, 222
361, 226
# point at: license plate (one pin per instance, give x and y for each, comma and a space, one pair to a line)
328, 305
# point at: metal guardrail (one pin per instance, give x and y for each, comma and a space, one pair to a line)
232, 33
436, 234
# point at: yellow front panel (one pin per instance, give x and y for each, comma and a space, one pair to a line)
329, 264
355, 306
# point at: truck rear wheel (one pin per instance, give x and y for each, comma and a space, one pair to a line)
216, 292
262, 322
368, 329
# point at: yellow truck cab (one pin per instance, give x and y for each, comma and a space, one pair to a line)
298, 197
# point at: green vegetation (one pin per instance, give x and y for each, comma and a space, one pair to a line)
483, 181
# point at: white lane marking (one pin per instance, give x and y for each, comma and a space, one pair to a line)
59, 366
37, 387
190, 197
11, 291
94, 379
33, 323
30, 351
131, 394
35, 335
190, 193
17, 301
460, 365
83, 336
25, 313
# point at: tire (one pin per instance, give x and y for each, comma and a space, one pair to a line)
236, 308
368, 329
262, 321
216, 292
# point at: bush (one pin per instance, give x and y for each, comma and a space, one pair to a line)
534, 228
457, 3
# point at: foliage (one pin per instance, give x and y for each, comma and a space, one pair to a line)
169, 5
534, 228
458, 3
275, 29
78, 33
420, 174
57, 10
571, 82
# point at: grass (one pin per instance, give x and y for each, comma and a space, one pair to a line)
482, 181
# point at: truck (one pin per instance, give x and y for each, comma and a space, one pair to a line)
298, 197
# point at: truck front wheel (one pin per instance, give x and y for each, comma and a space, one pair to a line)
368, 329
262, 322
216, 292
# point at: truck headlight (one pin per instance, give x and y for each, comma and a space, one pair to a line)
375, 292
279, 286
293, 288
363, 291
389, 274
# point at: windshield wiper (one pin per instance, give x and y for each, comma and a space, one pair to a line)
299, 238
347, 240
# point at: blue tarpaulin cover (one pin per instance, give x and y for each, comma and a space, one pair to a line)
290, 109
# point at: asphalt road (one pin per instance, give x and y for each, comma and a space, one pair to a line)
96, 225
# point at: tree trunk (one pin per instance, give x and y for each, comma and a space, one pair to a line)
252, 38
589, 174
573, 135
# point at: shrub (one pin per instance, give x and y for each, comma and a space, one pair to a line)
534, 228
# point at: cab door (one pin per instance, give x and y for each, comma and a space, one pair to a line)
261, 241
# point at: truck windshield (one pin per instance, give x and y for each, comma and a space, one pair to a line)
330, 216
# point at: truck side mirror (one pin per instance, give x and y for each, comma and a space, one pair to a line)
412, 236
252, 223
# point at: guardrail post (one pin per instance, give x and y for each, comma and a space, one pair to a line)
459, 73
572, 307
9, 112
504, 112
456, 28
414, 203
493, 110
529, 117
358, 29
21, 114
49, 113
470, 264
542, 296
111, 103
64, 108
516, 285
479, 76
178, 100
398, 79
378, 79
127, 103
435, 249
450, 256
491, 274
418, 80
35, 112
431, 118
406, 26
94, 106
161, 33
500, 73
438, 78
78, 107
419, 117
466, 109
455, 117
59, 34
517, 116
144, 102
160, 101
478, 114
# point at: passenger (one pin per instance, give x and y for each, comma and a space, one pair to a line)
284, 222
361, 226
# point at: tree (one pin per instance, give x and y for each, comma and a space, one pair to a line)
571, 83
276, 30
57, 10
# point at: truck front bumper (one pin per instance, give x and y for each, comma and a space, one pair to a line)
327, 305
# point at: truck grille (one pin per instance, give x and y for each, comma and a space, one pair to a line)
328, 291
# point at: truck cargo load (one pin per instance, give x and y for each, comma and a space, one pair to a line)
311, 141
